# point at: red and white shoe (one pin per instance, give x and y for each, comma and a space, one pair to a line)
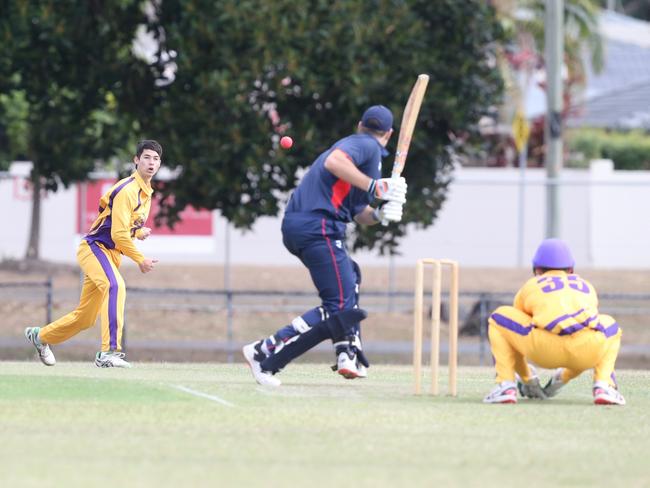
346, 366
505, 392
605, 394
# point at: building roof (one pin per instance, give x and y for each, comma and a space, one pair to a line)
619, 96
625, 108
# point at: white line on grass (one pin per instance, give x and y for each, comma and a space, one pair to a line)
214, 398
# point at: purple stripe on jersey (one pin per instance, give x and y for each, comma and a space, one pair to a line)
117, 190
550, 326
511, 324
112, 293
134, 229
139, 201
576, 327
103, 233
608, 331
92, 229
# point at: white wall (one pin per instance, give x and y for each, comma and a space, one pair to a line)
603, 217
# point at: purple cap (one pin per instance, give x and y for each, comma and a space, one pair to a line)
553, 254
378, 117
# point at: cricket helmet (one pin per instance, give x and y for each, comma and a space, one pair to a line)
553, 254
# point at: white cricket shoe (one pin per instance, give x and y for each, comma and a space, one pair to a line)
362, 371
45, 354
346, 366
605, 394
504, 392
111, 359
254, 356
554, 384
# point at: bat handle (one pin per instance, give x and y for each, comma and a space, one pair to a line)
394, 174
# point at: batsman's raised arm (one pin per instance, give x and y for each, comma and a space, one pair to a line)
339, 164
391, 189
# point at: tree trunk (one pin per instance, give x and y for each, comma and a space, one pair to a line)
35, 227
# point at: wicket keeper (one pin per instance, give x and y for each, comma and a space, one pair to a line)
554, 323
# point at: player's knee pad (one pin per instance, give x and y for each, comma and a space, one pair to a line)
344, 323
339, 325
294, 348
306, 321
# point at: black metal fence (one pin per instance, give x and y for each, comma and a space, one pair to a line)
475, 308
11, 290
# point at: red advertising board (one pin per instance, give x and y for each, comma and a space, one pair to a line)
192, 222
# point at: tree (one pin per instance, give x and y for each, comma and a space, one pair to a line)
245, 72
63, 65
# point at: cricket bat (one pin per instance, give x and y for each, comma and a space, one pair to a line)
409, 117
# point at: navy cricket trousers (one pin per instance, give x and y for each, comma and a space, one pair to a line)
319, 243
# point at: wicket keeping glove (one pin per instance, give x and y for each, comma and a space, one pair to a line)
532, 389
390, 189
389, 212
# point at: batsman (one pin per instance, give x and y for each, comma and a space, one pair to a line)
338, 188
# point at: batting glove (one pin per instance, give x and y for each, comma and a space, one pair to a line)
389, 212
390, 189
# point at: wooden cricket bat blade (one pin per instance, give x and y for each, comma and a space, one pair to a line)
409, 117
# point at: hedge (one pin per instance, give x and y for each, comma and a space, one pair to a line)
628, 150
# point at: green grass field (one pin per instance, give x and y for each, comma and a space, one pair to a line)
211, 425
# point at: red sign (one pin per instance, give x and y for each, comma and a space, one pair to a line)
192, 222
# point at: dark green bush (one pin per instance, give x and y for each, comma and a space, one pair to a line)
629, 150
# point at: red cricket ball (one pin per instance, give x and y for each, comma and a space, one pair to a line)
286, 142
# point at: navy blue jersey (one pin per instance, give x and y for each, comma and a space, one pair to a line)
320, 191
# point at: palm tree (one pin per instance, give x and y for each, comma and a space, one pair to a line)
523, 58
580, 31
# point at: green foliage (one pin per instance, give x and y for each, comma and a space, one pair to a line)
628, 150
61, 64
318, 64
230, 77
14, 129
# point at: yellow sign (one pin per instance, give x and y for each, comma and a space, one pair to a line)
520, 130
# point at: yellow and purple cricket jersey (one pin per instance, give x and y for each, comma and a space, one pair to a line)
560, 303
123, 211
554, 322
